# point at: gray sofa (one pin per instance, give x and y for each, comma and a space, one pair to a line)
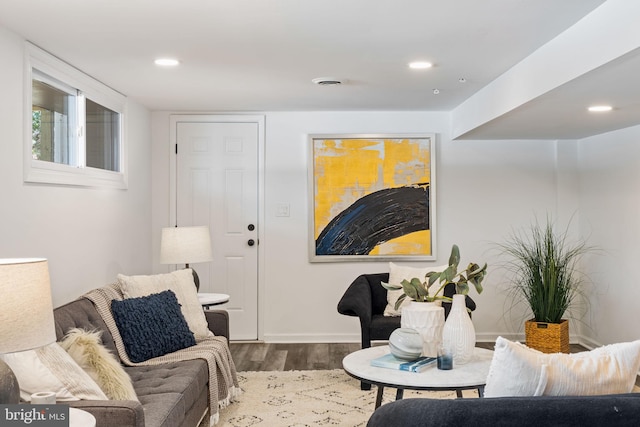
570, 411
171, 395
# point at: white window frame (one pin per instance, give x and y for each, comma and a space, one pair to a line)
38, 171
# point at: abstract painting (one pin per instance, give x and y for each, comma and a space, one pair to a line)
372, 197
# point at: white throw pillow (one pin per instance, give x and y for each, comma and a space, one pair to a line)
87, 350
398, 273
50, 368
517, 370
181, 283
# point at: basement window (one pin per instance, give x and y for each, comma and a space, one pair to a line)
74, 126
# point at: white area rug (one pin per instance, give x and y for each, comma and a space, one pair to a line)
308, 398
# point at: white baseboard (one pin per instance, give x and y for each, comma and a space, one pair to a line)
311, 338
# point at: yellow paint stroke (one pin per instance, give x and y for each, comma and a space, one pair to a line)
418, 242
348, 169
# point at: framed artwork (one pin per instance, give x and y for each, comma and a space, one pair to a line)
372, 197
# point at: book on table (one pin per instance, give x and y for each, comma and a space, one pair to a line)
392, 362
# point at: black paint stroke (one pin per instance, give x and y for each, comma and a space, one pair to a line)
374, 219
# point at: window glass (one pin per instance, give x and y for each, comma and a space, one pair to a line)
102, 137
53, 124
74, 125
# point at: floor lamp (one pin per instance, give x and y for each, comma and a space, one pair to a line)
26, 315
186, 245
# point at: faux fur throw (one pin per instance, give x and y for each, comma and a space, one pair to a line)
223, 382
87, 350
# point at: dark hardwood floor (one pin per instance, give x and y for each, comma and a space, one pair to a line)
302, 357
289, 357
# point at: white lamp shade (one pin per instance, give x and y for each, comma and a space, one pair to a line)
26, 310
185, 245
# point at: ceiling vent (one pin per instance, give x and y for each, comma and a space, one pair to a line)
327, 81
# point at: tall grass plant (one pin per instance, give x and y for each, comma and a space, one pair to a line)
545, 271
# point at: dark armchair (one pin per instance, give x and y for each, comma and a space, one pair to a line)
366, 299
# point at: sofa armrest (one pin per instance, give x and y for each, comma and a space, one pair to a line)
218, 321
357, 300
108, 413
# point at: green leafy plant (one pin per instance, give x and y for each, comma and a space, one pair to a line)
419, 290
544, 268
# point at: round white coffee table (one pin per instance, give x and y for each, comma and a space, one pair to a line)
472, 375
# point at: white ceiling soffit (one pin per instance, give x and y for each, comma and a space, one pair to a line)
546, 95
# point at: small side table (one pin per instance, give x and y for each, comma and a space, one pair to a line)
208, 300
80, 418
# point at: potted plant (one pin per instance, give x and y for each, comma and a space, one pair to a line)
430, 321
419, 290
544, 268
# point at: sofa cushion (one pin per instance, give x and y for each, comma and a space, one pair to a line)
180, 282
151, 326
517, 370
169, 390
89, 353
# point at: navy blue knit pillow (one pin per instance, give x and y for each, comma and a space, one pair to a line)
151, 326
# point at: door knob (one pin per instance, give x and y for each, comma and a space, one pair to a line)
251, 242
251, 227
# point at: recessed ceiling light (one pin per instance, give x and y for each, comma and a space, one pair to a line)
166, 62
420, 65
600, 108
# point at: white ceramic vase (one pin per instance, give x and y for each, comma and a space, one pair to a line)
458, 333
428, 319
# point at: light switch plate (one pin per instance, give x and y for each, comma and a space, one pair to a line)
282, 209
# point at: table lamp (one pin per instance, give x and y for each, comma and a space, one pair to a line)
26, 315
185, 245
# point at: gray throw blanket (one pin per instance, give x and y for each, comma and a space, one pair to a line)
223, 383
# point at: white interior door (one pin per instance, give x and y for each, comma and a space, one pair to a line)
217, 185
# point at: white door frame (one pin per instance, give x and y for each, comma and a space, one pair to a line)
224, 118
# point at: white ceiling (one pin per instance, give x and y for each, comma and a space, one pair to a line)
250, 55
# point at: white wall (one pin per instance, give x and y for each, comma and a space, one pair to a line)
610, 212
484, 188
88, 235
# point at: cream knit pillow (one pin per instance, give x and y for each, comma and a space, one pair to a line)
398, 273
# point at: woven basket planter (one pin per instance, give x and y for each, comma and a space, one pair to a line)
547, 337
